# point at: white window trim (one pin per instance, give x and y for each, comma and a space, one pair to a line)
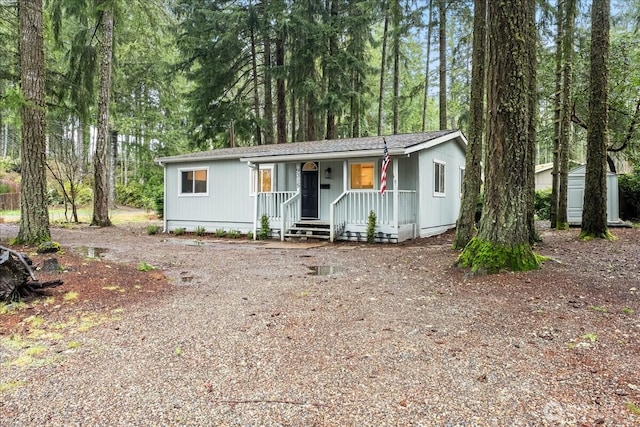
437, 163
462, 172
376, 174
253, 177
180, 193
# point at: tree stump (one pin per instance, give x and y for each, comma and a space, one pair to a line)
17, 279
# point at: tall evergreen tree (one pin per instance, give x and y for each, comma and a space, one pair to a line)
565, 116
594, 212
100, 159
503, 240
465, 226
442, 31
34, 213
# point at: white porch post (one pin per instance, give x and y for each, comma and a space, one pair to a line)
345, 176
396, 197
256, 184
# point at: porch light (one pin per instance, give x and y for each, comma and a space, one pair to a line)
327, 173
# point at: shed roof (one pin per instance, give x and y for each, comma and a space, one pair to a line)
325, 149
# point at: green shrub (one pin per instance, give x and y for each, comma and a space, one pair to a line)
152, 229
371, 227
234, 234
543, 204
629, 187
250, 235
137, 195
265, 229
179, 231
200, 230
159, 204
4, 189
220, 232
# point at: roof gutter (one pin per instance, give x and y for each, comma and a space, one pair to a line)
323, 156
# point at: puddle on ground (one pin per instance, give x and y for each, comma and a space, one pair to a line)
92, 251
195, 243
325, 270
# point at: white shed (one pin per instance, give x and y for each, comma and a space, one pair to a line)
576, 196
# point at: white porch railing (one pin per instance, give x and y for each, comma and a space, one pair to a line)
275, 205
353, 207
291, 213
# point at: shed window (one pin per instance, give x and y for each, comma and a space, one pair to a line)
362, 176
193, 181
438, 178
264, 179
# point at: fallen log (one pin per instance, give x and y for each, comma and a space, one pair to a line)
17, 278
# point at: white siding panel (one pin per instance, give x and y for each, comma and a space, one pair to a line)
439, 213
228, 200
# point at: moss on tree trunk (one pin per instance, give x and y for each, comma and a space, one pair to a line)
487, 257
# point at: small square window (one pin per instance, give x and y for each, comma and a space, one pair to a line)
193, 181
362, 176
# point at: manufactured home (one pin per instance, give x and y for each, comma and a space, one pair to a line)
322, 189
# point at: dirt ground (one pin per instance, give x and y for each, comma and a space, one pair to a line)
577, 317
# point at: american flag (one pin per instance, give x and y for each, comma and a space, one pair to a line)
385, 163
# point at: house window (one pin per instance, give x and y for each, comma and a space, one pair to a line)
193, 181
438, 178
263, 178
362, 176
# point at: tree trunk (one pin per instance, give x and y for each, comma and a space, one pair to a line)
465, 226
113, 157
383, 66
396, 15
503, 240
34, 213
442, 27
268, 97
100, 161
562, 222
281, 101
425, 100
594, 210
557, 118
256, 96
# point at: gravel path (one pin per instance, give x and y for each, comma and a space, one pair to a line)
393, 336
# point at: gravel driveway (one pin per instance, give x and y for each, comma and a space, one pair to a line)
256, 334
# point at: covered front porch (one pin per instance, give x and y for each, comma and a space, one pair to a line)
313, 209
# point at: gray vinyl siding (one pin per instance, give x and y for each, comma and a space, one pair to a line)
227, 205
336, 186
438, 213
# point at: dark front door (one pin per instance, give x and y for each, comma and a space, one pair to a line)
309, 192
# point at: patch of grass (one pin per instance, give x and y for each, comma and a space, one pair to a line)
234, 234
152, 229
633, 408
34, 321
179, 231
220, 232
178, 351
11, 385
73, 345
627, 310
250, 235
143, 266
113, 288
200, 230
8, 307
589, 337
598, 309
70, 296
35, 350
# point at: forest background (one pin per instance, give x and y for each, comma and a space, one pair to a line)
200, 74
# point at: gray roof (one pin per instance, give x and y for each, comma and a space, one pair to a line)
349, 147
